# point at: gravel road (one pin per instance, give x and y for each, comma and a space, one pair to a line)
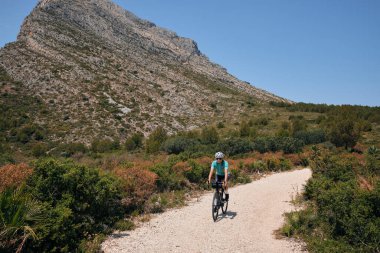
255, 211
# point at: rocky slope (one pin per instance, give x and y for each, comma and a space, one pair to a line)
102, 71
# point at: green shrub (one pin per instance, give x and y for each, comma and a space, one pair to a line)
178, 144
6, 158
273, 144
155, 139
299, 223
69, 149
238, 176
197, 173
290, 145
235, 146
209, 135
311, 137
79, 202
373, 160
347, 215
344, 134
260, 145
28, 133
285, 164
20, 218
220, 125
134, 142
39, 149
167, 178
106, 145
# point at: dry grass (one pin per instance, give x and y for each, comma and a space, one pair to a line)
13, 175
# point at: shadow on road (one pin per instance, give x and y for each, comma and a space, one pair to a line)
228, 215
119, 235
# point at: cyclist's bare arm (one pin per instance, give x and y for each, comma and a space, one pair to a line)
210, 175
226, 177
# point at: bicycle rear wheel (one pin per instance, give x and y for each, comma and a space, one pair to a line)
215, 206
225, 204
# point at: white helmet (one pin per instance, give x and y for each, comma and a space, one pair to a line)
219, 155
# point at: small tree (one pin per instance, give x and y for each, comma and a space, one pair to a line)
134, 142
156, 138
344, 133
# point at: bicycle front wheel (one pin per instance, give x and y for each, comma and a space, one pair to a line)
225, 204
215, 206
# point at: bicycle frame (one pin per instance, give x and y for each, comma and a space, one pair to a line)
217, 201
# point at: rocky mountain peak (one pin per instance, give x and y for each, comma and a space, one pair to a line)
102, 71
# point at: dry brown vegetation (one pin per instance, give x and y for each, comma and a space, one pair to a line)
138, 184
13, 175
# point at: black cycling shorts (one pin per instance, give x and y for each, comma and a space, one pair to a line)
220, 178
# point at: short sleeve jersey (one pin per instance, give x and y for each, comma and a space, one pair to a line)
220, 167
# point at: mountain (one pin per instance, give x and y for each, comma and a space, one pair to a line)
100, 71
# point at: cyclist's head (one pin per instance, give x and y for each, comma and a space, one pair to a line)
219, 155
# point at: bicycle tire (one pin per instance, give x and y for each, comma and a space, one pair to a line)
225, 204
215, 206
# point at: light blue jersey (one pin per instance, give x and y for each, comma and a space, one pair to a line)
220, 167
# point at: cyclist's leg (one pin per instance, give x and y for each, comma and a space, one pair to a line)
219, 179
226, 188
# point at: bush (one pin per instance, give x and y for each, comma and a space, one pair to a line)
238, 176
298, 124
178, 144
79, 202
197, 173
13, 175
134, 142
69, 149
209, 135
311, 137
290, 145
167, 178
39, 149
220, 125
6, 158
273, 144
106, 145
347, 216
235, 146
373, 160
20, 218
156, 138
344, 133
138, 185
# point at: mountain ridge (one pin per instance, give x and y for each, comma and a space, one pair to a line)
103, 71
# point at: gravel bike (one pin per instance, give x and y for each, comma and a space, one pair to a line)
218, 201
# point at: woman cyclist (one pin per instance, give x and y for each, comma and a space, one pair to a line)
221, 170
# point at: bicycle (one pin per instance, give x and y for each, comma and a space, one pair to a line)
218, 201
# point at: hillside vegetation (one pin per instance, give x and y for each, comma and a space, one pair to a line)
51, 196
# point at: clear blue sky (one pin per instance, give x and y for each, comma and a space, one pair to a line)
318, 51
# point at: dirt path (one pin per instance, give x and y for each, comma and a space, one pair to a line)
255, 211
